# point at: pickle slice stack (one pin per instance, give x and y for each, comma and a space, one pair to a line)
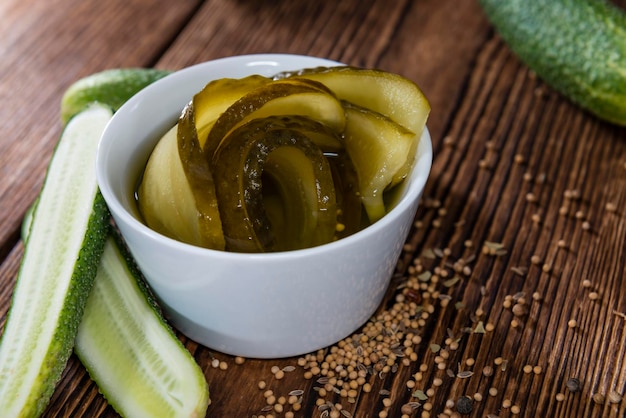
300, 160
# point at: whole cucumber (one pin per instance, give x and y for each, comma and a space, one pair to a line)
578, 47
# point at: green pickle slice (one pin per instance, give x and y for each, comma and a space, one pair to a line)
275, 187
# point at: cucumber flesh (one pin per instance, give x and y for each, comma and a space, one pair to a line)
66, 239
140, 366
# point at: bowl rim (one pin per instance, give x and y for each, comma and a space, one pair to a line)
419, 174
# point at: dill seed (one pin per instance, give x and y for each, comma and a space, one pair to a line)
573, 384
560, 397
464, 405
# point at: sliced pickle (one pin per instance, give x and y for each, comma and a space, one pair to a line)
217, 96
200, 178
284, 97
263, 162
382, 152
164, 197
390, 94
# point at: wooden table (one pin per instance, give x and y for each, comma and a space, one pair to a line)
527, 197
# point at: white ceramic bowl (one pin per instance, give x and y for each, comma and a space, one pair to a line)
254, 305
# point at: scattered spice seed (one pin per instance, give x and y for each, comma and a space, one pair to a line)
535, 259
464, 405
537, 369
573, 384
598, 398
560, 397
610, 207
586, 283
493, 391
464, 374
593, 295
586, 226
614, 397
515, 410
572, 323
487, 371
506, 403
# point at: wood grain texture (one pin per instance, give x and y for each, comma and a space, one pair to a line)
514, 164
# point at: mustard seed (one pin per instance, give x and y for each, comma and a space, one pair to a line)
530, 197
478, 397
586, 283
535, 259
261, 384
610, 207
572, 323
515, 410
387, 402
614, 397
493, 391
560, 397
528, 368
598, 398
487, 371
279, 374
506, 403
586, 226
537, 369
470, 362
593, 295
223, 365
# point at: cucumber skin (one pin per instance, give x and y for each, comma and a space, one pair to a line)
81, 283
82, 280
578, 47
112, 87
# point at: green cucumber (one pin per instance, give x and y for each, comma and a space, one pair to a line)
61, 256
121, 308
578, 47
139, 364
111, 87
132, 354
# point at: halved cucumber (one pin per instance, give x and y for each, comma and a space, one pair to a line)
61, 256
140, 366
